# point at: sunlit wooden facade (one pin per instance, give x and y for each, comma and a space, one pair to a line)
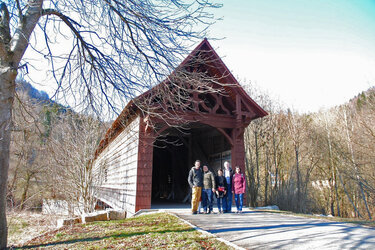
139, 168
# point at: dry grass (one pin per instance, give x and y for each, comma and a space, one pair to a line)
25, 225
150, 231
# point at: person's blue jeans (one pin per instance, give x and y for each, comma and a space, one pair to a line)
239, 201
207, 196
220, 203
227, 201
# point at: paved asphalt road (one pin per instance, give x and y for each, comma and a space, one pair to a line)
262, 230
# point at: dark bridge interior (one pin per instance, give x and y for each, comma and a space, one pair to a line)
174, 154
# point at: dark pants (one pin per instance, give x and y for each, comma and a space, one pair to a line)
220, 203
239, 201
227, 201
207, 196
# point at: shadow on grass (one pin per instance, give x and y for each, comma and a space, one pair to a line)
114, 236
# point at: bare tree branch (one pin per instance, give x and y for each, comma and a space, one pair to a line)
20, 14
20, 39
116, 51
4, 31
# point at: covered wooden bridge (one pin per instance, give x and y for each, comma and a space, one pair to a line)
146, 155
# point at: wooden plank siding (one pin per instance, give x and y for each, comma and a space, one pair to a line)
126, 151
119, 161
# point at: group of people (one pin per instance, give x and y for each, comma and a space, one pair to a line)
205, 185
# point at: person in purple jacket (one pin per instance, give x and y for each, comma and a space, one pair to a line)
238, 188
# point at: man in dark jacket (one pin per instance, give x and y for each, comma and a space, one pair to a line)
208, 190
195, 180
227, 201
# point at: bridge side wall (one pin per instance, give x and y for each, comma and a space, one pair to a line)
118, 164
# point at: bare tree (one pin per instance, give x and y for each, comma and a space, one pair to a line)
349, 130
117, 49
257, 145
71, 169
321, 162
295, 129
27, 147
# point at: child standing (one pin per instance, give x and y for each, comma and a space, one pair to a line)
221, 189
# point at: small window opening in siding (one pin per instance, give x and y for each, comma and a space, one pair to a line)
105, 174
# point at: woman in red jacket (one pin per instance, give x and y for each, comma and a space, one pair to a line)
238, 187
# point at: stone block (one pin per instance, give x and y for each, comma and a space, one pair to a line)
116, 215
68, 222
98, 216
104, 216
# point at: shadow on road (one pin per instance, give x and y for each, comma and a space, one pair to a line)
262, 230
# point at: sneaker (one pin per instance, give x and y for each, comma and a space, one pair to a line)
194, 212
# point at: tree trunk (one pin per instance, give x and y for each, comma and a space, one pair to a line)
266, 178
7, 88
359, 182
337, 196
251, 178
11, 188
275, 187
25, 190
257, 168
334, 172
347, 194
298, 180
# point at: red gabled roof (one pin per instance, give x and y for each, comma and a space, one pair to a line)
226, 78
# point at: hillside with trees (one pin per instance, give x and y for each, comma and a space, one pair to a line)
51, 151
309, 163
93, 61
314, 163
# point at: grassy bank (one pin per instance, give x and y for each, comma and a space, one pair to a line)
156, 231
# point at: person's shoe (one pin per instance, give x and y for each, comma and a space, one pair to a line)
194, 212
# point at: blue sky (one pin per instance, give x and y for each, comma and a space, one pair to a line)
309, 54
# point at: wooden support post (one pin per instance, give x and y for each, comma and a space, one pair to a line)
144, 171
190, 148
